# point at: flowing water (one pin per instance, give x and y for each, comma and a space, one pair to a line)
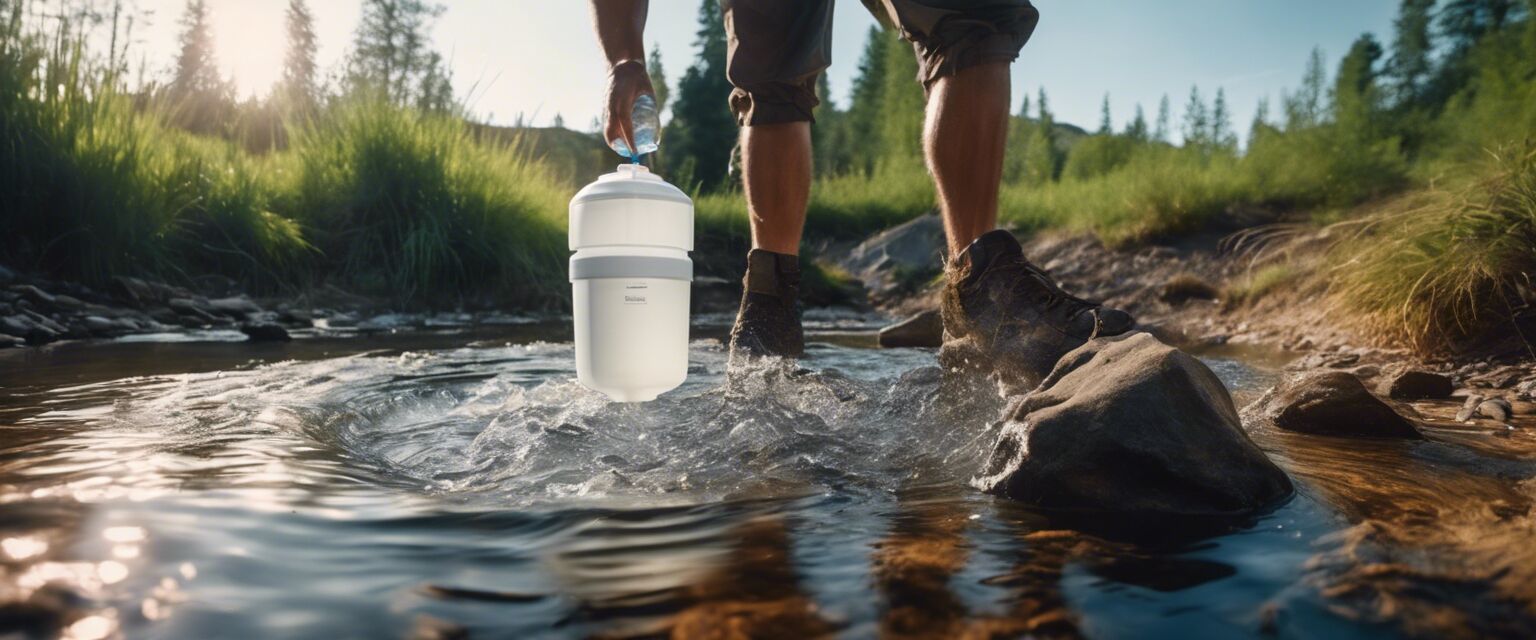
461, 482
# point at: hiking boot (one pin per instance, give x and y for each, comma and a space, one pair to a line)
1006, 316
768, 323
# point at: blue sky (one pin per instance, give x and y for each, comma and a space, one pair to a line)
538, 58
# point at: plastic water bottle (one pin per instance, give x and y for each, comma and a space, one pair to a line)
645, 122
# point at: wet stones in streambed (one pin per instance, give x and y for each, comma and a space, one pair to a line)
1477, 406
1417, 385
1331, 403
1131, 425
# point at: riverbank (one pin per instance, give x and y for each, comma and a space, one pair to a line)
1253, 283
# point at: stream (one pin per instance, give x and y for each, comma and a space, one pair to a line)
436, 484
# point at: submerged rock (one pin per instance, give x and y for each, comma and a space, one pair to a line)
1332, 403
925, 329
1417, 385
1129, 424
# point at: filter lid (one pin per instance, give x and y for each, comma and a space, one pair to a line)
634, 207
632, 181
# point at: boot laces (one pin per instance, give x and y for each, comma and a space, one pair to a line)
1055, 298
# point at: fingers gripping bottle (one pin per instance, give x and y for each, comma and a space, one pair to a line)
630, 277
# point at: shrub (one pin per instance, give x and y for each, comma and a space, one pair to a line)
1450, 267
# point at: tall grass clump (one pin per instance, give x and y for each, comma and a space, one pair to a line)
92, 186
1450, 267
411, 203
1159, 191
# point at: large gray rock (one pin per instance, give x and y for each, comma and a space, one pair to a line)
1331, 403
926, 329
1129, 424
900, 257
1417, 385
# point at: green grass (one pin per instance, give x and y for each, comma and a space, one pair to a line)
1444, 268
91, 186
1161, 191
411, 203
1257, 284
386, 200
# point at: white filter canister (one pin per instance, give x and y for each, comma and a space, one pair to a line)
630, 274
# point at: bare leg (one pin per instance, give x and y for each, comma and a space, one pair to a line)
776, 171
964, 137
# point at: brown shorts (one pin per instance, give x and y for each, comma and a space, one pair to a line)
778, 47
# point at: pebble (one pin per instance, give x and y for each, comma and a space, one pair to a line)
1497, 409
1469, 408
33, 294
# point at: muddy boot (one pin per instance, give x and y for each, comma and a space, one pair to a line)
1005, 316
768, 323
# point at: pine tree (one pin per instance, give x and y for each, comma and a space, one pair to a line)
1137, 129
203, 98
1197, 120
434, 89
298, 88
1221, 123
1411, 49
864, 104
391, 56
197, 71
829, 139
1305, 107
658, 75
1042, 163
702, 132
1355, 94
1164, 118
1460, 25
1106, 122
1019, 132
902, 103
1260, 126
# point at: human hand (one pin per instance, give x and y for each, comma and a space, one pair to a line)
627, 81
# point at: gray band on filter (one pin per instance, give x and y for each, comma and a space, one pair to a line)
587, 268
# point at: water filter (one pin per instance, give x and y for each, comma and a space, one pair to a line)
630, 276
